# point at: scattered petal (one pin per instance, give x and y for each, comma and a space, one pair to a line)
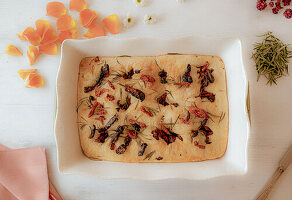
111, 24
23, 73
49, 49
149, 19
13, 51
34, 80
65, 23
20, 35
77, 5
56, 9
86, 17
94, 30
71, 34
50, 37
31, 35
42, 26
139, 3
128, 21
46, 31
32, 54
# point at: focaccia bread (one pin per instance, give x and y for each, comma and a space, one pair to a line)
167, 108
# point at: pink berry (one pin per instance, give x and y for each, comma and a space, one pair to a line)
261, 5
288, 13
271, 4
275, 10
286, 2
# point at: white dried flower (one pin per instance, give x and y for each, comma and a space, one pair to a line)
180, 1
128, 21
139, 3
149, 19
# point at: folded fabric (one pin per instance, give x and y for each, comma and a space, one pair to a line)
24, 175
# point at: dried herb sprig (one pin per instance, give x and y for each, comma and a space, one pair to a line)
271, 58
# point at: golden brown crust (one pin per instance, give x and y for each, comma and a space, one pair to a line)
175, 65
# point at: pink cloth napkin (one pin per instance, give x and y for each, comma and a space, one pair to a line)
24, 175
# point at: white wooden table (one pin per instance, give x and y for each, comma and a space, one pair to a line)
27, 115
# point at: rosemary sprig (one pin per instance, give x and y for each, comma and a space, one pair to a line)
149, 155
271, 58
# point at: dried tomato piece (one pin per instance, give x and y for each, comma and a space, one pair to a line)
144, 110
101, 112
95, 105
198, 145
111, 84
101, 119
210, 96
99, 92
110, 97
102, 137
132, 134
162, 99
184, 121
186, 84
147, 78
198, 112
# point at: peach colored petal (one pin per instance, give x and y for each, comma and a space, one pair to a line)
94, 30
56, 9
111, 24
13, 51
77, 5
42, 27
23, 73
46, 31
32, 54
49, 49
66, 22
50, 37
34, 80
32, 36
86, 17
72, 34
20, 35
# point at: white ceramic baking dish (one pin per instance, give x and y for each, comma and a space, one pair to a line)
71, 160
